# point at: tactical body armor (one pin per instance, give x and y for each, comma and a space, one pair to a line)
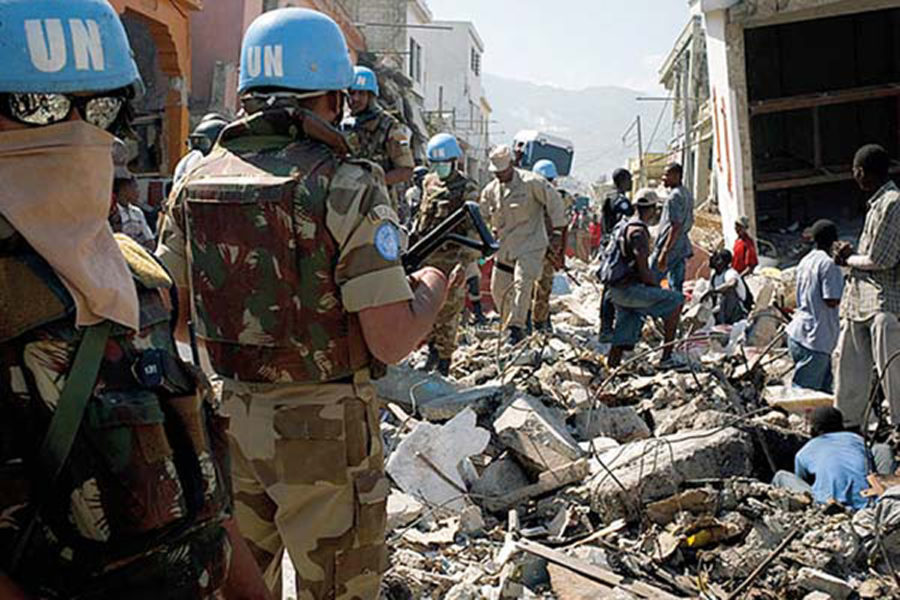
369, 136
263, 268
140, 503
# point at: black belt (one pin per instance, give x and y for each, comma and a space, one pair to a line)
505, 268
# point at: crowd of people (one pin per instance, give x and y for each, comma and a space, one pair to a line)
125, 470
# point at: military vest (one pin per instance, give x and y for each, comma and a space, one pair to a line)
440, 199
143, 495
369, 137
263, 262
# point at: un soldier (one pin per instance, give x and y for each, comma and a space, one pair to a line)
553, 261
376, 135
292, 256
444, 191
516, 202
113, 478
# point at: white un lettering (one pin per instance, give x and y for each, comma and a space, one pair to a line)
270, 58
48, 50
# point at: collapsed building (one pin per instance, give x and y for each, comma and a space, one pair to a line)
796, 86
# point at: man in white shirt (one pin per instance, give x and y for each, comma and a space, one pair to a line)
813, 332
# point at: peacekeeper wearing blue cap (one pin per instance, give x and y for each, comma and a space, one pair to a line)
376, 135
113, 461
290, 254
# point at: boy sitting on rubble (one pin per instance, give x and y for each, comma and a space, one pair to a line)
835, 462
730, 294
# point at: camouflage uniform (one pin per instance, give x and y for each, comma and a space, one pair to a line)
283, 239
140, 504
380, 137
441, 199
517, 211
543, 289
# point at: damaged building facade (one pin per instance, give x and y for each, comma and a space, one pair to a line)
796, 87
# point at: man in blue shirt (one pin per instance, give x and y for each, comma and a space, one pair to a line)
813, 332
835, 462
673, 246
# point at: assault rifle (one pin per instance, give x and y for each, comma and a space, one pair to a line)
444, 233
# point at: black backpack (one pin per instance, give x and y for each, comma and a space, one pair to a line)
617, 262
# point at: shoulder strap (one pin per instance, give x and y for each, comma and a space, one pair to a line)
72, 401
66, 421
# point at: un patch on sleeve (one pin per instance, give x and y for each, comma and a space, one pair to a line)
387, 241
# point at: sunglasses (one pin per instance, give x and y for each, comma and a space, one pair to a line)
40, 110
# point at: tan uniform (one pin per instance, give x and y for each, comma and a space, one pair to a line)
440, 200
516, 211
543, 289
307, 455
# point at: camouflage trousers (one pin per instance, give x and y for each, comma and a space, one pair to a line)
512, 285
308, 476
540, 311
446, 327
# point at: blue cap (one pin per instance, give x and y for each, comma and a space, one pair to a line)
295, 48
547, 168
64, 46
364, 80
443, 147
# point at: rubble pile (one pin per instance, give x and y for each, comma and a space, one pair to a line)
536, 472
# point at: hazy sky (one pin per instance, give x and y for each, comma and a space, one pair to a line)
573, 43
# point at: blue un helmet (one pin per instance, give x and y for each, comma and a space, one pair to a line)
443, 147
546, 168
62, 47
297, 49
364, 80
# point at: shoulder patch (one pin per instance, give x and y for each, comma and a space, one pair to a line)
143, 265
387, 241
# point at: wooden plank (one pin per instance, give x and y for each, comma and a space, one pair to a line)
790, 182
568, 585
591, 571
775, 105
547, 482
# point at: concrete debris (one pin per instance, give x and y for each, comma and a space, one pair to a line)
537, 437
426, 464
531, 472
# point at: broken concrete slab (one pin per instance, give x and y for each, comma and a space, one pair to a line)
500, 477
547, 482
537, 437
653, 469
402, 509
426, 464
480, 399
621, 423
410, 388
819, 581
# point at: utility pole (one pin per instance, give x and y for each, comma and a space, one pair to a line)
643, 177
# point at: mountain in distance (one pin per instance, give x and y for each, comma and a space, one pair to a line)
594, 119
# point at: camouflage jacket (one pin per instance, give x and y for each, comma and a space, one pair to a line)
441, 198
140, 503
287, 242
378, 136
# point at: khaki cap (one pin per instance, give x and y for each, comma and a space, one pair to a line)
501, 159
646, 197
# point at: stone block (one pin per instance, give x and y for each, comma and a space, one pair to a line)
500, 477
820, 581
654, 469
621, 423
537, 437
402, 509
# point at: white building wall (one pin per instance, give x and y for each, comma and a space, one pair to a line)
728, 162
453, 88
417, 13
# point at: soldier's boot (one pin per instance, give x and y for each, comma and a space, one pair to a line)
516, 335
529, 325
478, 314
433, 359
545, 326
443, 367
